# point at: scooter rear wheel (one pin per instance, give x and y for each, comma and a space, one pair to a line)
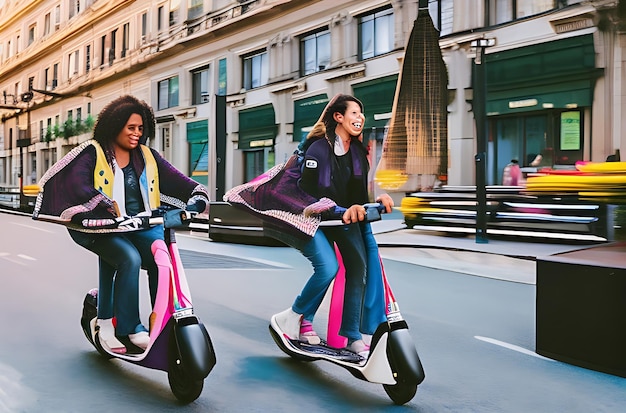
185, 388
401, 392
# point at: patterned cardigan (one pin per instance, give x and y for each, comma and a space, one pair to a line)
67, 193
287, 212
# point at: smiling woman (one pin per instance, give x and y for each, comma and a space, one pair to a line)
103, 191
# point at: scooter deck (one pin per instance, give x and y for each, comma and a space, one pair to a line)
323, 349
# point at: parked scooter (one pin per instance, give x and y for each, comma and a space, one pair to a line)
392, 361
179, 343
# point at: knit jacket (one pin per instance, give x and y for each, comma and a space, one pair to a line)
68, 192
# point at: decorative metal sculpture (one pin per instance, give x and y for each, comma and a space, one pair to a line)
417, 140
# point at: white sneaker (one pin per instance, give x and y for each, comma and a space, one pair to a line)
359, 347
288, 322
106, 333
140, 339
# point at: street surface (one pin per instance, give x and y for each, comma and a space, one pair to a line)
474, 334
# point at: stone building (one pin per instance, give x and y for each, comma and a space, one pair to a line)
235, 85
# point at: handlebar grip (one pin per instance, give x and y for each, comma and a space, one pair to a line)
372, 212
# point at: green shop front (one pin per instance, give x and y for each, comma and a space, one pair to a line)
537, 98
257, 134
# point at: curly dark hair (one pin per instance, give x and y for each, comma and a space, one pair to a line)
113, 118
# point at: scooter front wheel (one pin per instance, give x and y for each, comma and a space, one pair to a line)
401, 392
183, 385
185, 388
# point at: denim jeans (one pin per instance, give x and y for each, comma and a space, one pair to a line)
374, 311
120, 259
352, 245
321, 253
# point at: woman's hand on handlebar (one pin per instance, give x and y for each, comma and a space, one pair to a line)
355, 213
386, 201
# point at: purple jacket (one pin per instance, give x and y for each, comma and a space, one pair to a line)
320, 173
67, 193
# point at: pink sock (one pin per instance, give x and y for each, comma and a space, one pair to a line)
306, 326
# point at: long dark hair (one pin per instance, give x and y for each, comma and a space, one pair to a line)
113, 118
327, 123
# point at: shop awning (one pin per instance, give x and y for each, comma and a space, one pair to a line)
377, 98
257, 127
305, 113
198, 132
558, 74
559, 95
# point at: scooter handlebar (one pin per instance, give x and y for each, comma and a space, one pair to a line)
172, 218
372, 212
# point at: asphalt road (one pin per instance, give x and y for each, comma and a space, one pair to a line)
474, 334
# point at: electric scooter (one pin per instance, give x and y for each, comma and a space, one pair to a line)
393, 360
179, 343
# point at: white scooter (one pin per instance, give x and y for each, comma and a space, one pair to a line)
392, 361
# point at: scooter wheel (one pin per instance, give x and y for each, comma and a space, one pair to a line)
182, 385
401, 392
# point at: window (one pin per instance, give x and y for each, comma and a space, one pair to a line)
125, 39
255, 70
112, 48
87, 58
376, 33
257, 162
168, 93
72, 64
55, 76
144, 26
46, 24
160, 13
315, 52
174, 12
195, 9
31, 34
502, 11
57, 17
200, 86
103, 43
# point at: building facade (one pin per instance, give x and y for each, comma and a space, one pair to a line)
235, 85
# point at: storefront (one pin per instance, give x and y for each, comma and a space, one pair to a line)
306, 112
257, 133
198, 139
537, 98
377, 98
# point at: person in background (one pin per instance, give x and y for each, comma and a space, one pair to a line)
104, 190
511, 176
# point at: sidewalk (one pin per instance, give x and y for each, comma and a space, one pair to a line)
501, 259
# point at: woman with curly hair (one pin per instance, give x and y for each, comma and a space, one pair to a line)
103, 190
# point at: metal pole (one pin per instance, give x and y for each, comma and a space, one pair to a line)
480, 116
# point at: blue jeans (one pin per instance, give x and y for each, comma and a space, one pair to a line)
374, 311
358, 249
120, 258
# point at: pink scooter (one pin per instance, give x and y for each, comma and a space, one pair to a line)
179, 343
392, 361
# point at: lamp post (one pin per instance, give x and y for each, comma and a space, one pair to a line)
24, 142
480, 117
